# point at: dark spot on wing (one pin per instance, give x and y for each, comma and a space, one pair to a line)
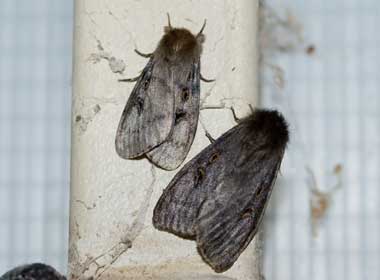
248, 213
191, 76
139, 105
146, 83
179, 115
214, 157
259, 191
185, 94
199, 175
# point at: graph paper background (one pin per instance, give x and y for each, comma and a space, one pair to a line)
35, 70
332, 101
330, 98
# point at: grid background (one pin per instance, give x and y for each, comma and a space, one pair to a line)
331, 100
35, 94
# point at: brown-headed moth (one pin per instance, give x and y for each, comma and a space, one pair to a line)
219, 197
161, 116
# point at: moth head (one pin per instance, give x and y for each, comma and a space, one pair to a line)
270, 127
181, 43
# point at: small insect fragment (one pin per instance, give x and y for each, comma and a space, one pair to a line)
320, 201
310, 50
96, 108
218, 199
161, 116
338, 169
36, 271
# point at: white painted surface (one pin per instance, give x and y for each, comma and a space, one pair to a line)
112, 199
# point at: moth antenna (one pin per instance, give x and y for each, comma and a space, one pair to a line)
203, 27
169, 24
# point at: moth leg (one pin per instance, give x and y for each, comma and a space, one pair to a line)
212, 140
251, 107
146, 55
130, 80
234, 115
206, 80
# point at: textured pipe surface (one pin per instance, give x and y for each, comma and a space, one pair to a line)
112, 199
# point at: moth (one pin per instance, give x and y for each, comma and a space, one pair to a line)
161, 116
219, 197
36, 271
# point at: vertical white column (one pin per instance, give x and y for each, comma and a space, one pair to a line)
112, 199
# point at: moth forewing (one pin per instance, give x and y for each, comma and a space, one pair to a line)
172, 152
147, 118
220, 195
160, 118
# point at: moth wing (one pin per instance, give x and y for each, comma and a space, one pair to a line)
171, 153
179, 205
222, 208
177, 209
231, 214
148, 116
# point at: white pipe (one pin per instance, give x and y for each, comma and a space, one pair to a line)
112, 199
